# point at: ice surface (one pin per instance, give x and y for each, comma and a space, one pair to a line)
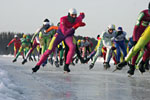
8, 90
50, 83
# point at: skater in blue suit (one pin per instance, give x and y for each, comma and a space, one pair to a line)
120, 43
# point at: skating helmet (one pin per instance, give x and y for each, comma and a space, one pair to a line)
72, 11
58, 24
27, 37
46, 22
86, 38
24, 36
111, 26
79, 41
15, 36
120, 29
98, 36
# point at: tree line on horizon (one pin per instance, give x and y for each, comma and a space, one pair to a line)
6, 37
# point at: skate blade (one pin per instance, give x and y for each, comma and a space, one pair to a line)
140, 72
137, 67
65, 72
105, 68
23, 63
115, 70
90, 67
13, 61
33, 72
129, 75
147, 70
57, 66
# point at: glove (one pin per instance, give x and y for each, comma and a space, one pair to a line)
113, 48
134, 43
45, 31
80, 24
82, 15
112, 39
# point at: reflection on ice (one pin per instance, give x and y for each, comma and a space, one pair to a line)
51, 83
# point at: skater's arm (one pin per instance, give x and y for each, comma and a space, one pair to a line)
35, 34
141, 15
11, 42
51, 28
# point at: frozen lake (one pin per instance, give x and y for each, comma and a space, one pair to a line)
50, 83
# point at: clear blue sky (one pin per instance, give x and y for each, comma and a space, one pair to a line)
27, 15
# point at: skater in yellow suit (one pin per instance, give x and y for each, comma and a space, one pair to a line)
142, 42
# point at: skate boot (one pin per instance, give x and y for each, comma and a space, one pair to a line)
61, 62
116, 63
106, 65
76, 60
66, 68
56, 64
44, 63
14, 60
131, 70
24, 61
51, 61
30, 58
91, 66
35, 69
147, 65
84, 61
35, 59
141, 67
73, 63
121, 65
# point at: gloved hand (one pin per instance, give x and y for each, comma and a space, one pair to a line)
134, 43
113, 48
112, 39
45, 31
80, 24
82, 14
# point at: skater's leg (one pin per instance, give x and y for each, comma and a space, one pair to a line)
140, 44
54, 42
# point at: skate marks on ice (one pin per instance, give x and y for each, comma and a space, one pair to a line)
8, 90
49, 83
